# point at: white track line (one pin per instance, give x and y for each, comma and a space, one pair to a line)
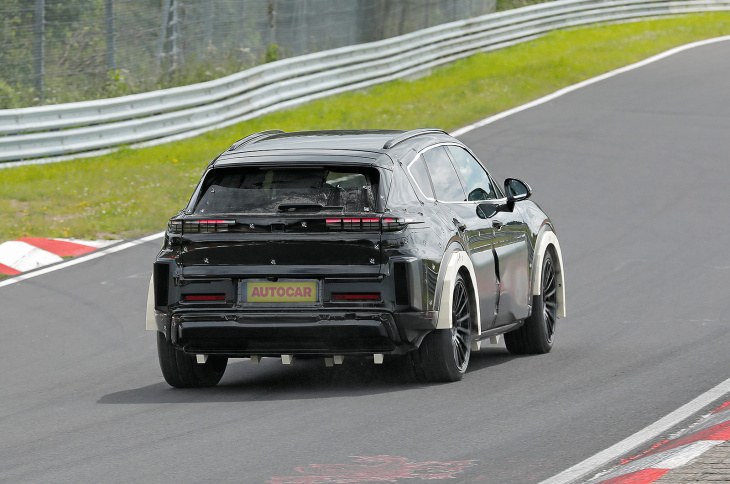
587, 82
83, 258
593, 464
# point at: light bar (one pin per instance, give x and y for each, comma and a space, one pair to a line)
367, 223
334, 223
174, 227
394, 224
207, 226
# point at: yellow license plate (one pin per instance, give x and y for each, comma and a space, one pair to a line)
281, 292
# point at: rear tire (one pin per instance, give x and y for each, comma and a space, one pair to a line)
537, 334
182, 371
444, 353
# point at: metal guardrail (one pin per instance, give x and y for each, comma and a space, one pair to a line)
93, 127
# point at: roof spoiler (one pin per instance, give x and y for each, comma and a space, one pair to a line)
411, 134
252, 138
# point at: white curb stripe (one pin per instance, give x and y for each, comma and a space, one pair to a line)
84, 258
22, 256
670, 459
691, 451
594, 463
673, 457
90, 243
587, 82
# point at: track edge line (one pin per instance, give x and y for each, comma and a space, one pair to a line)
566, 90
78, 260
652, 431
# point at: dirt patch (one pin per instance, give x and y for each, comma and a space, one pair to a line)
21, 209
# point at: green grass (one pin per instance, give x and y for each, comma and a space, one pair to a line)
133, 192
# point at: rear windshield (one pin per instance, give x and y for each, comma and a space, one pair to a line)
283, 189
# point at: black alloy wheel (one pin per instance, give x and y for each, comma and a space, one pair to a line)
444, 353
537, 334
461, 326
549, 298
182, 371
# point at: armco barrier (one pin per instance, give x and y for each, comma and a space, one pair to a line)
94, 127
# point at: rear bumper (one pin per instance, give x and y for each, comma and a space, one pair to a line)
239, 334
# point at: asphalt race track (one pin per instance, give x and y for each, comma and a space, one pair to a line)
634, 172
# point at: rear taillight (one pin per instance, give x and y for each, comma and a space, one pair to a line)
334, 223
370, 223
205, 297
174, 227
386, 224
392, 224
207, 226
356, 297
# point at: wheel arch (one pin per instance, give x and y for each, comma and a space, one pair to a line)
547, 240
150, 320
458, 263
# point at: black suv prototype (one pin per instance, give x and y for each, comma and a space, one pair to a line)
352, 243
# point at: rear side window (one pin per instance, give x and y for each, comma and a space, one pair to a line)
402, 193
418, 171
283, 189
446, 182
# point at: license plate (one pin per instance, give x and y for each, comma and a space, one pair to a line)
280, 292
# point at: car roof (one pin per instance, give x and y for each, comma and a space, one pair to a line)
360, 140
335, 145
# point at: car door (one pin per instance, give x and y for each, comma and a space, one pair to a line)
476, 233
509, 237
512, 249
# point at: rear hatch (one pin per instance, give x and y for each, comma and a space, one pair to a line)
283, 221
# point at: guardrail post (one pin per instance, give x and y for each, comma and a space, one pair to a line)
170, 35
176, 37
208, 33
272, 22
110, 47
39, 50
163, 34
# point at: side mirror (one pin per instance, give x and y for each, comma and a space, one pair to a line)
489, 209
516, 190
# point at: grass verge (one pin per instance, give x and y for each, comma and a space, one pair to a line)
133, 192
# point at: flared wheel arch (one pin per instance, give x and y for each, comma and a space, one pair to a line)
548, 241
458, 263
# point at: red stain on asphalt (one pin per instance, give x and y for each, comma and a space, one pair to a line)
379, 468
644, 476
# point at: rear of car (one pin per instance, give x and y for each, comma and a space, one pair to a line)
318, 244
282, 256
